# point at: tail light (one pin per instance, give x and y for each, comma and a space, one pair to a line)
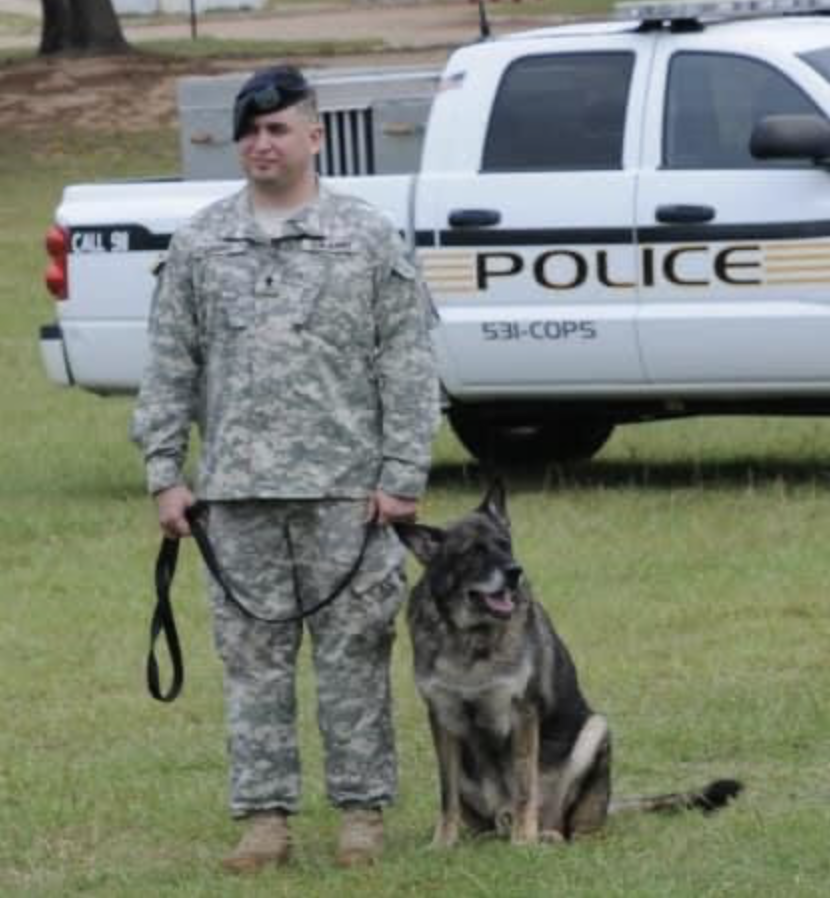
57, 273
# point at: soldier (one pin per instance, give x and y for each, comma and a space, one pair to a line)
291, 327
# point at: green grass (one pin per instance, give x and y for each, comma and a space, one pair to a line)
569, 8
687, 568
206, 47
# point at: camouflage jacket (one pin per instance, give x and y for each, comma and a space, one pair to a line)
305, 360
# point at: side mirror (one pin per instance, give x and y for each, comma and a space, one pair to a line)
791, 137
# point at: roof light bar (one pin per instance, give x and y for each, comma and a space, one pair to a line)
712, 10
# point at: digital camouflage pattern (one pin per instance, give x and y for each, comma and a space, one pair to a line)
306, 362
304, 359
279, 556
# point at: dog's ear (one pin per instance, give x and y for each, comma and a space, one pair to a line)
421, 540
494, 503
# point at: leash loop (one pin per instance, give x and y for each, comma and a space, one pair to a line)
163, 621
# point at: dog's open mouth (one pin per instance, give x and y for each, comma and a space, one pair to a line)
500, 604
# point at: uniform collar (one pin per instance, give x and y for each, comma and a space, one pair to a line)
310, 221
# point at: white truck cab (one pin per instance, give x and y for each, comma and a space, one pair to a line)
619, 221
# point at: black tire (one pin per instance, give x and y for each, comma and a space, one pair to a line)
557, 440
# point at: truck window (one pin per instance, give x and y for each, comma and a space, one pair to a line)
559, 112
713, 101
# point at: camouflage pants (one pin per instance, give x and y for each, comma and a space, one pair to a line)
279, 555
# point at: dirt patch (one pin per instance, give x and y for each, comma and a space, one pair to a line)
130, 93
138, 91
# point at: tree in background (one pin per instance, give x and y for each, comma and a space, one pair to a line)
81, 27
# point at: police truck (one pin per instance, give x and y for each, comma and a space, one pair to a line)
619, 221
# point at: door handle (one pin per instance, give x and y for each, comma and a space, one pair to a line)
684, 214
474, 218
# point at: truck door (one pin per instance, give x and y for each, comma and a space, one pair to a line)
735, 252
533, 265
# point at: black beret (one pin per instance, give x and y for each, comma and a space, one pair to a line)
269, 90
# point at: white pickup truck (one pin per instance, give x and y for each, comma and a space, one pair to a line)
619, 221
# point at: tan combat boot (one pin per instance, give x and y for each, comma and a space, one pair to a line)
361, 837
266, 840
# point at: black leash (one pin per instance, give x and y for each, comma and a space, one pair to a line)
164, 623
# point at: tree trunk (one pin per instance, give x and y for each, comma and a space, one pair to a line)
81, 27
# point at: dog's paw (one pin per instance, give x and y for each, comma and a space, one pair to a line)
504, 823
552, 837
445, 836
524, 835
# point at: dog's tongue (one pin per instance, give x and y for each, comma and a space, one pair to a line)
500, 602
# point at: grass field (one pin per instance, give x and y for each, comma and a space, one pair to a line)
687, 568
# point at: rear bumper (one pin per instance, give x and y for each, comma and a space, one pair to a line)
53, 355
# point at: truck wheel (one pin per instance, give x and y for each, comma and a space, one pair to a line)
559, 440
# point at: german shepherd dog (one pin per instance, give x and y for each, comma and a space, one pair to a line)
519, 750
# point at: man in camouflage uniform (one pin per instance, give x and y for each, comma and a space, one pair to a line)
291, 327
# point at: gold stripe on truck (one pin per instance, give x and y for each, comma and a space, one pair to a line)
799, 262
449, 271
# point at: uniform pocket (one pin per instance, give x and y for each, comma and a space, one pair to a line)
380, 602
338, 306
238, 311
380, 585
384, 556
302, 279
225, 278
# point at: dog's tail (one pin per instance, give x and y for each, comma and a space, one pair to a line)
711, 798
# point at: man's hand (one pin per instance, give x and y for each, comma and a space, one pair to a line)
386, 509
172, 504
